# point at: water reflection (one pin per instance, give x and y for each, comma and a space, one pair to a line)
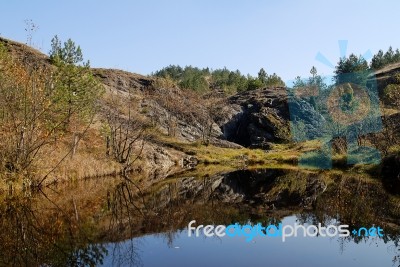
118, 222
227, 251
36, 235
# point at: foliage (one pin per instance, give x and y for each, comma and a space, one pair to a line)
253, 83
315, 81
274, 80
193, 78
25, 108
38, 103
355, 67
75, 88
231, 81
262, 76
68, 53
391, 93
380, 59
203, 80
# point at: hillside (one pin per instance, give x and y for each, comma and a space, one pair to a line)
175, 122
173, 130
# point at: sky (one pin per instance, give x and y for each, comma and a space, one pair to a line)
280, 36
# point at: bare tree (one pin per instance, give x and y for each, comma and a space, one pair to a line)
125, 137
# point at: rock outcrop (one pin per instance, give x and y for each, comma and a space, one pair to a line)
256, 118
251, 119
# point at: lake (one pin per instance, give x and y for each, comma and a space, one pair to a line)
131, 221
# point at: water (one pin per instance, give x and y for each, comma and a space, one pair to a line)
159, 250
120, 222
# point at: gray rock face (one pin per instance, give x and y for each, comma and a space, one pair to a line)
255, 118
122, 81
258, 118
314, 122
252, 119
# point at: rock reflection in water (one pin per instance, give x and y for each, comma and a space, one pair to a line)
85, 223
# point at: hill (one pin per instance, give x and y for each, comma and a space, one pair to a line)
169, 129
172, 123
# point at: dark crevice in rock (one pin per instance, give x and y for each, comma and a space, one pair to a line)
256, 118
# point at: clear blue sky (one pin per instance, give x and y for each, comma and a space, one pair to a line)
143, 36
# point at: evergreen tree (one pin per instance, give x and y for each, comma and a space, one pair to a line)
381, 59
203, 80
75, 89
356, 65
253, 83
263, 76
377, 61
313, 71
388, 57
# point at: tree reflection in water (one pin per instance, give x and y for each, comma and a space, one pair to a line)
32, 236
91, 221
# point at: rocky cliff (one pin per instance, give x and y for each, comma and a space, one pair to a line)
249, 119
256, 118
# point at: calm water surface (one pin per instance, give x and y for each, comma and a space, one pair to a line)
177, 249
122, 222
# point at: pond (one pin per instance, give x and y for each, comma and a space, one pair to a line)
177, 249
117, 221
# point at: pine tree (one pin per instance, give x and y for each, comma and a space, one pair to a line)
263, 76
377, 61
355, 65
313, 71
75, 88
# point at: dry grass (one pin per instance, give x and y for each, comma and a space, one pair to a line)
90, 159
289, 153
279, 155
